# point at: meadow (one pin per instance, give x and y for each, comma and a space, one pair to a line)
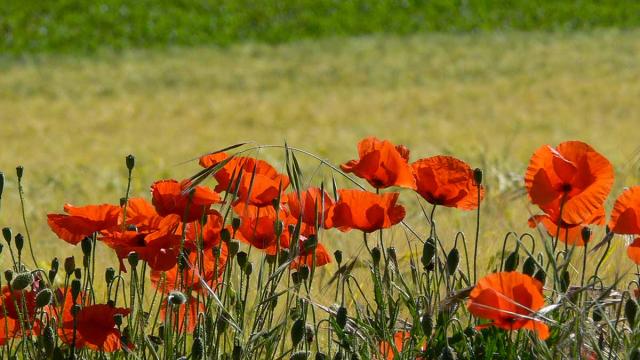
490, 99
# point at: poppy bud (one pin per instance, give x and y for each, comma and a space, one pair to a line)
248, 269
6, 233
221, 324
321, 356
477, 176
22, 281
341, 317
236, 353
565, 281
304, 272
295, 277
241, 258
453, 259
117, 319
428, 252
529, 266
1, 183
77, 273
225, 235
69, 265
586, 234
448, 354
109, 275
216, 251
426, 322
197, 349
511, 263
133, 259
300, 355
19, 239
338, 256
235, 223
19, 171
8, 275
55, 264
130, 160
48, 339
52, 275
375, 255
176, 298
541, 276
338, 356
75, 309
597, 315
284, 256
123, 201
391, 254
278, 227
309, 334
86, 245
44, 298
233, 248
75, 289
297, 332
630, 312
635, 354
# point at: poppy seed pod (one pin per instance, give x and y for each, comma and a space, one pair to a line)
529, 266
19, 171
69, 265
586, 234
44, 298
109, 275
242, 258
233, 248
338, 256
19, 239
453, 259
630, 312
341, 317
297, 332
22, 281
176, 298
6, 233
225, 235
477, 176
511, 263
130, 160
75, 289
8, 275
133, 259
375, 255
197, 349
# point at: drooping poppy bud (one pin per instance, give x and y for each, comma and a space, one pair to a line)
297, 332
130, 160
44, 298
22, 281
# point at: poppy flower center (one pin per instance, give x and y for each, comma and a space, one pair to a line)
566, 188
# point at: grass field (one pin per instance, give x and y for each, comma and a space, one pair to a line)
490, 99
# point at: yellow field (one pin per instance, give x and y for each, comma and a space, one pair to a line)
490, 99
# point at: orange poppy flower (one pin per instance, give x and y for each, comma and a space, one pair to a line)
400, 337
305, 256
365, 211
311, 207
447, 181
212, 269
258, 228
209, 234
625, 217
255, 176
95, 326
572, 177
10, 326
509, 300
569, 233
186, 315
169, 198
382, 164
633, 251
80, 222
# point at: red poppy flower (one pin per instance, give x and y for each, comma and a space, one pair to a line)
258, 228
633, 251
10, 326
212, 270
569, 233
169, 198
509, 300
83, 221
382, 164
447, 181
95, 326
625, 217
185, 315
572, 177
209, 234
365, 211
399, 339
306, 256
254, 181
311, 207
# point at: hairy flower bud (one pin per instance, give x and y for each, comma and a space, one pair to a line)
19, 240
75, 289
297, 332
109, 275
130, 161
6, 233
241, 258
85, 244
341, 317
176, 298
44, 298
19, 171
133, 259
197, 349
69, 265
22, 281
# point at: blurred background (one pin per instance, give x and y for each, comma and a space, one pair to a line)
83, 84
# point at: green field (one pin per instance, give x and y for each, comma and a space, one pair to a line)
490, 99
